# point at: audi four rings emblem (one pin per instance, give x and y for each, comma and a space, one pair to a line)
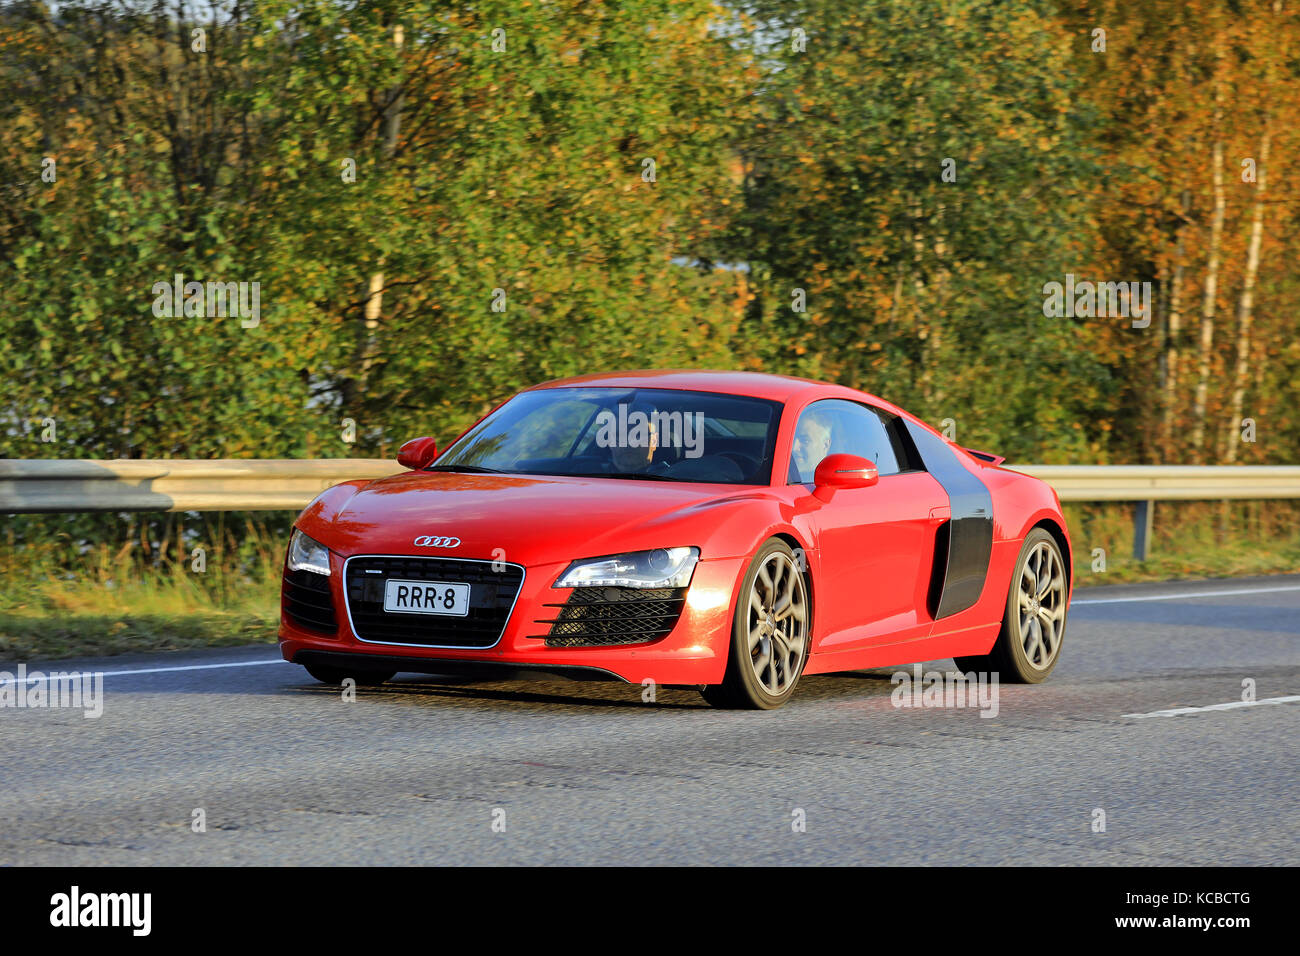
436, 541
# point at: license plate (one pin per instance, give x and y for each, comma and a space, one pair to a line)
426, 597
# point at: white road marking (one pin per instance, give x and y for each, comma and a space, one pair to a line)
1231, 705
1185, 594
145, 670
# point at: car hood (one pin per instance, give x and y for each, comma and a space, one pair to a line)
515, 518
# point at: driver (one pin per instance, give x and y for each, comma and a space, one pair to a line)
631, 459
812, 443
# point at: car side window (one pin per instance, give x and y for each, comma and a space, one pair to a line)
834, 426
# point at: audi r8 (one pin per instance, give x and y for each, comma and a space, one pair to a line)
729, 531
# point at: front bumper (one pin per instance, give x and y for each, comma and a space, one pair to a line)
693, 652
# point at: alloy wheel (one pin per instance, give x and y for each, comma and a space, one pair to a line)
1041, 606
777, 623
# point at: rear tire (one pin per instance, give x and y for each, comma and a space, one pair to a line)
771, 631
336, 675
1033, 623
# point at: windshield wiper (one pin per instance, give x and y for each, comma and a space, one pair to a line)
470, 469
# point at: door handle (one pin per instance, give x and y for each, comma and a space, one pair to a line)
940, 513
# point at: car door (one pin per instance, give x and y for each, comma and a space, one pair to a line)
875, 545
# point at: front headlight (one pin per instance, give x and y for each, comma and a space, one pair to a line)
306, 554
660, 568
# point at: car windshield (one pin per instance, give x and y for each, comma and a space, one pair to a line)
638, 433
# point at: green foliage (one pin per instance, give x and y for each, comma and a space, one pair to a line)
389, 172
476, 170
923, 288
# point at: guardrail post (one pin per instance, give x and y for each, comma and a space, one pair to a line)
1143, 515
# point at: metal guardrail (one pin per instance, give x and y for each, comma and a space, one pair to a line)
1147, 484
1167, 482
48, 486
236, 484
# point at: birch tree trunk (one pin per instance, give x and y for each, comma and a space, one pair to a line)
1174, 332
375, 294
1246, 304
1212, 264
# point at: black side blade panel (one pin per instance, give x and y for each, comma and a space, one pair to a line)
970, 530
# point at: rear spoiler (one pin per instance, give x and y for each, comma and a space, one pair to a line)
984, 455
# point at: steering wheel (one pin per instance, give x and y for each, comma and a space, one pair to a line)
745, 463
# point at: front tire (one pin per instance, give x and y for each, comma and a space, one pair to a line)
1033, 627
770, 634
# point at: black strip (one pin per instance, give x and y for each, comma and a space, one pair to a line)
969, 532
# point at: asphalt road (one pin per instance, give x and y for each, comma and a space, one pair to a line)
286, 772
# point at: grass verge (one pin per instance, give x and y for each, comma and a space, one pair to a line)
1191, 540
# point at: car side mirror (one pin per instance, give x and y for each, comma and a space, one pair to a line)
417, 453
845, 471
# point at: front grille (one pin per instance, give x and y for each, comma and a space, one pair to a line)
491, 597
305, 600
604, 617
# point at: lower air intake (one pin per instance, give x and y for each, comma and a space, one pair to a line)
606, 617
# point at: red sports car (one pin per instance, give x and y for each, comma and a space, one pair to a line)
723, 530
